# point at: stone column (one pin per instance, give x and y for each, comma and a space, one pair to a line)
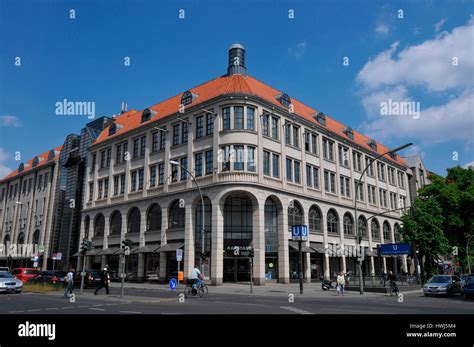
189, 243
404, 263
372, 266
283, 251
164, 227
259, 243
327, 272
217, 251
343, 258
384, 264
307, 264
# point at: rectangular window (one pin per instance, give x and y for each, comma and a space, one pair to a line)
360, 190
238, 117
266, 163
94, 159
239, 158
209, 162
102, 159
357, 161
116, 185
125, 151
176, 134
296, 136
275, 165
226, 118
381, 171
184, 132
30, 182
198, 164
209, 124
250, 118
297, 172
142, 146
391, 175
140, 179
153, 176
226, 158
109, 156
46, 178
329, 182
328, 149
118, 154
275, 128
287, 131
100, 189
174, 172
371, 197
163, 139
343, 156
251, 158
315, 178
133, 181
289, 170
265, 131
91, 191
106, 187
370, 166
122, 183
161, 174
154, 141
345, 186
40, 183
199, 127
184, 165
309, 176
136, 148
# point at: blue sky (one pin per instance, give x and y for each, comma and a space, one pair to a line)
82, 59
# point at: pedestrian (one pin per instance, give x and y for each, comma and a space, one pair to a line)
384, 278
69, 283
341, 282
104, 281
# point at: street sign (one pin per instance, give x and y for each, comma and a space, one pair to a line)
56, 256
299, 232
41, 248
395, 248
179, 254
173, 284
35, 264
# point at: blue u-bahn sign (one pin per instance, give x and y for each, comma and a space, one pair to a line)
395, 248
299, 232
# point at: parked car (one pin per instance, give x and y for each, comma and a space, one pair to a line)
49, 277
24, 274
4, 269
443, 285
10, 284
468, 287
91, 279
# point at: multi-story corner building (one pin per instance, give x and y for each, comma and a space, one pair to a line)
263, 162
417, 175
27, 198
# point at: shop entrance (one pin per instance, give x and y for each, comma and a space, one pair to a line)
236, 270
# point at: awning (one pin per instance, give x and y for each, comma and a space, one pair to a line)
304, 248
93, 252
147, 249
171, 247
108, 251
120, 251
318, 247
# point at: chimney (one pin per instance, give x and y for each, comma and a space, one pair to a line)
236, 60
124, 107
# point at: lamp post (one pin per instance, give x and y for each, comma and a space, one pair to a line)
172, 162
358, 183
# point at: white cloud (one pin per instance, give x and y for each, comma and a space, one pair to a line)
298, 50
382, 28
468, 165
438, 25
4, 171
3, 155
8, 121
428, 66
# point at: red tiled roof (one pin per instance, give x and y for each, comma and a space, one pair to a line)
43, 159
236, 84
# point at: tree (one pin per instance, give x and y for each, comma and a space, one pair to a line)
423, 226
455, 196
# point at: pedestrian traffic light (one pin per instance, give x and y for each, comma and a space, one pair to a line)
86, 245
127, 243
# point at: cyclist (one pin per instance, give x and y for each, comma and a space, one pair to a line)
393, 285
196, 279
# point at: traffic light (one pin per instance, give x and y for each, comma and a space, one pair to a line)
86, 245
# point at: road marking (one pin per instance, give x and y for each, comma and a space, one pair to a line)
237, 303
130, 312
66, 308
96, 309
35, 310
295, 310
98, 305
82, 306
16, 311
52, 308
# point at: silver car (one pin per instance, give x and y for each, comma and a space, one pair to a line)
443, 285
9, 284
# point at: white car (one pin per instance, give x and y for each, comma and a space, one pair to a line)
10, 284
2, 268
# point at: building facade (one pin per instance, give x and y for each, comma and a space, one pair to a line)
257, 162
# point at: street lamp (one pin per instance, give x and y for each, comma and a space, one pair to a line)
358, 183
172, 162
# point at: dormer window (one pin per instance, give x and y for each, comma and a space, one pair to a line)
21, 167
51, 154
392, 155
35, 161
320, 118
284, 99
112, 129
146, 114
187, 98
349, 133
372, 144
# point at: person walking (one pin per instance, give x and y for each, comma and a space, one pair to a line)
69, 283
341, 282
104, 281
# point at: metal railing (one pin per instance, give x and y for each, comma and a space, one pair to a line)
378, 281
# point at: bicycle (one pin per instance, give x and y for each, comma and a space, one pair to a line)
201, 290
394, 289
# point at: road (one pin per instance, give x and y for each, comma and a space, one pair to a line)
145, 301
